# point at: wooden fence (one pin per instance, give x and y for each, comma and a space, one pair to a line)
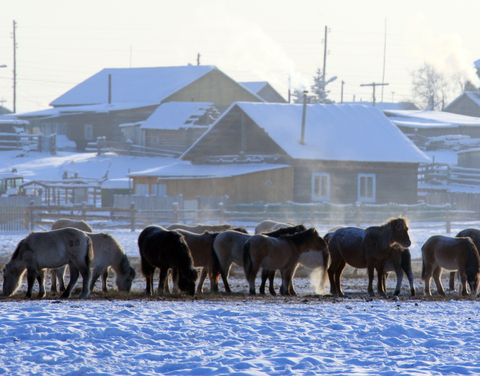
247, 215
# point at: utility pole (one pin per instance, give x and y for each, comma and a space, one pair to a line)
325, 54
384, 55
374, 85
198, 59
343, 83
14, 68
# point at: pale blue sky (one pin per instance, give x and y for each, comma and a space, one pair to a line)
61, 43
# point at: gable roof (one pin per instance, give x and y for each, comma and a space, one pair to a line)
431, 119
177, 115
332, 132
264, 90
132, 85
385, 106
473, 96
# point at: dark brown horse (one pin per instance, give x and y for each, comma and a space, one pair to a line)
444, 252
364, 248
473, 234
280, 253
165, 249
399, 261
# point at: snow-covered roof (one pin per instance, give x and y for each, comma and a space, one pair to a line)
128, 85
383, 106
474, 96
11, 121
190, 171
176, 115
254, 87
427, 119
332, 132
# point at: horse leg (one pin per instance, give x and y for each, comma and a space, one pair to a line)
214, 276
381, 282
203, 276
97, 271
31, 278
104, 277
41, 283
371, 275
73, 279
61, 277
287, 283
338, 276
251, 278
399, 274
463, 282
162, 281
175, 289
53, 280
436, 277
451, 286
271, 283
265, 275
224, 275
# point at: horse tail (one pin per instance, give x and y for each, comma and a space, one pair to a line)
328, 236
247, 260
216, 267
89, 255
327, 259
423, 270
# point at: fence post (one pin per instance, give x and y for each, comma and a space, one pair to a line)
266, 211
84, 210
357, 214
447, 217
132, 216
175, 212
30, 215
312, 215
221, 211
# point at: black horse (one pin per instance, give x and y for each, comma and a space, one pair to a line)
165, 249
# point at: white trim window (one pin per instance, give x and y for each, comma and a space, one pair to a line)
88, 132
366, 187
320, 186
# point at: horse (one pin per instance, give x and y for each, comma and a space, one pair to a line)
268, 225
443, 252
165, 249
51, 249
60, 273
228, 248
201, 248
65, 222
364, 248
399, 261
309, 259
473, 234
199, 229
280, 253
108, 254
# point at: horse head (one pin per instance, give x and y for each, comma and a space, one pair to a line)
318, 243
186, 280
400, 232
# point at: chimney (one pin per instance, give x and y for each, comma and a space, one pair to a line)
304, 115
109, 89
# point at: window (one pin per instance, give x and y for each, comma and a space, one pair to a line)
366, 187
320, 186
88, 132
159, 189
141, 189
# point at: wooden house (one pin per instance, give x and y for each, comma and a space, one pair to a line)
467, 103
97, 106
343, 154
265, 91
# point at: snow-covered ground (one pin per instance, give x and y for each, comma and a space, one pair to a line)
247, 336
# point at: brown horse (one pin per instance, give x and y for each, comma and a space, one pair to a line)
201, 248
443, 252
165, 249
51, 249
473, 234
228, 247
199, 229
399, 261
280, 253
364, 248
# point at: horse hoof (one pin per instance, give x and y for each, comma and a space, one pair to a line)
412, 292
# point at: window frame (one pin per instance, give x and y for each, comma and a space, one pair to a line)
321, 175
366, 198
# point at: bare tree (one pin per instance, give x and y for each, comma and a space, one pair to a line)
430, 87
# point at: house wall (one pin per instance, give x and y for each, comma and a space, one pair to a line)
267, 186
395, 182
464, 106
214, 87
176, 140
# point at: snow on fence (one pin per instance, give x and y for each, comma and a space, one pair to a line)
129, 215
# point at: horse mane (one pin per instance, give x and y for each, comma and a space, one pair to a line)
240, 229
300, 237
286, 231
17, 250
381, 236
473, 260
185, 256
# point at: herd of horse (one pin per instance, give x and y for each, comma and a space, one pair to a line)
180, 250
